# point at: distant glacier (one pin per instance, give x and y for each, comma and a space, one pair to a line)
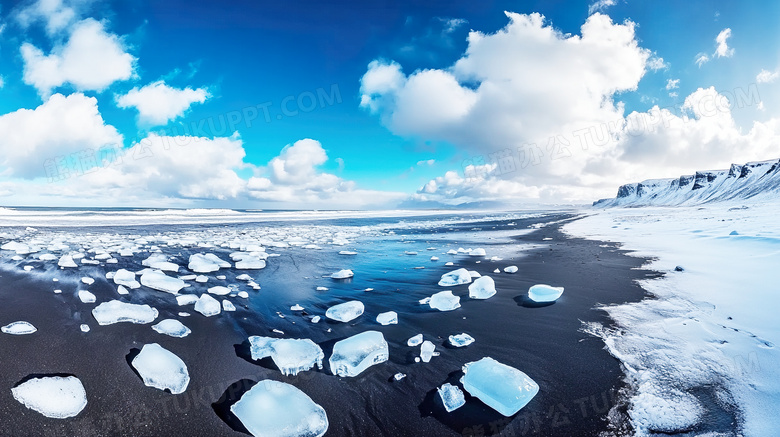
753, 180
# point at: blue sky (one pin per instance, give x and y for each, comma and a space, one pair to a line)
374, 104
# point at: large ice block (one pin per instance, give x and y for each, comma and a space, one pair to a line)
501, 387
355, 354
276, 409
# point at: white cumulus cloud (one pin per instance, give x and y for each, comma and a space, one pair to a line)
765, 76
158, 103
58, 127
723, 49
91, 60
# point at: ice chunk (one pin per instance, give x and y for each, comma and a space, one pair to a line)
126, 278
388, 318
291, 356
416, 340
56, 397
172, 327
243, 294
86, 297
496, 271
159, 261
399, 376
482, 288
251, 262
315, 319
219, 290
162, 282
474, 274
461, 340
208, 306
510, 269
276, 409
355, 354
200, 263
342, 274
478, 252
201, 279
228, 305
434, 258
444, 301
186, 299
296, 307
115, 311
347, 252
122, 290
87, 281
452, 397
501, 387
322, 288
544, 293
449, 263
19, 248
161, 369
19, 328
455, 277
345, 312
426, 351
67, 261
84, 327
243, 277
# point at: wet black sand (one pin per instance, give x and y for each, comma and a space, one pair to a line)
577, 377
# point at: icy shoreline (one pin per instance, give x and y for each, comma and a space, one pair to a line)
705, 343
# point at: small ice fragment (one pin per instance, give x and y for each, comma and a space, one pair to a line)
250, 263
369, 289
425, 300
161, 369
434, 258
228, 305
115, 311
186, 299
510, 269
455, 277
277, 409
291, 356
474, 274
278, 331
243, 277
86, 297
501, 387
122, 290
426, 351
172, 327
482, 288
355, 354
200, 263
207, 305
451, 396
161, 282
315, 319
322, 288
55, 397
57, 291
126, 278
416, 340
67, 261
296, 307
243, 294
345, 312
461, 340
449, 263
84, 328
201, 279
399, 376
219, 290
444, 301
347, 252
342, 274
28, 268
478, 252
388, 318
496, 271
19, 328
544, 293
184, 314
188, 277
416, 359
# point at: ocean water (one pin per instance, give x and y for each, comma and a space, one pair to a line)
578, 379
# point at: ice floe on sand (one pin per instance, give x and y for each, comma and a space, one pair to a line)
277, 409
388, 318
355, 354
461, 340
544, 293
444, 301
482, 288
455, 277
116, 311
161, 282
19, 328
172, 327
161, 369
291, 356
501, 387
56, 397
451, 396
345, 312
208, 306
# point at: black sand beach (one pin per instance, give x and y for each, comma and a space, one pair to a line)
578, 379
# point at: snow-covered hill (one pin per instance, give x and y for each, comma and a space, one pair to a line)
752, 180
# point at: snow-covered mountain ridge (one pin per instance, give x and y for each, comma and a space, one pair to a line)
754, 180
